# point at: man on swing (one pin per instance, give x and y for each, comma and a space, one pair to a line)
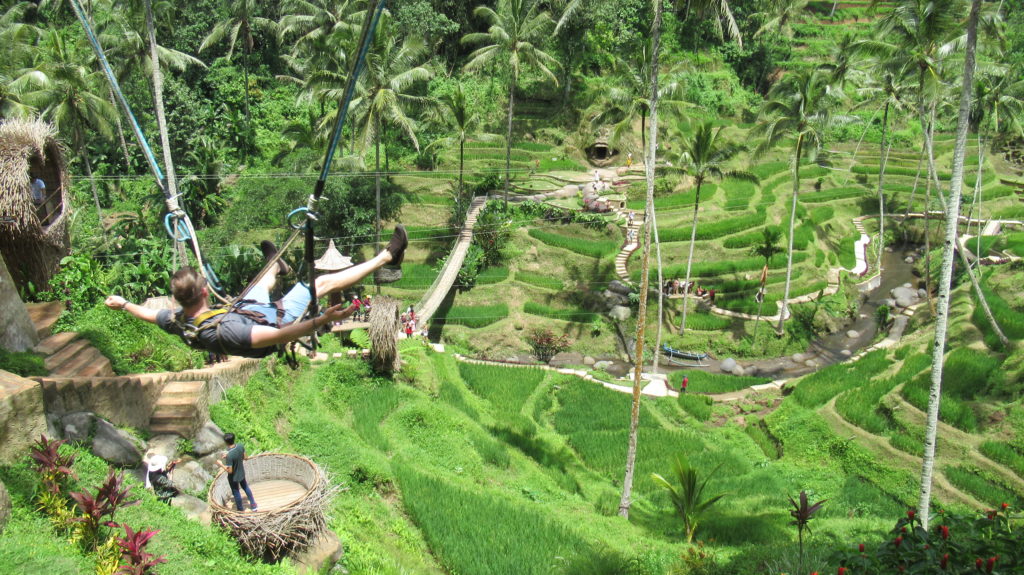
255, 327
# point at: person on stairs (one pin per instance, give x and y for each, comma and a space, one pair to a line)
255, 327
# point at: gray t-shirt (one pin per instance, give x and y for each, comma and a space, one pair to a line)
233, 336
234, 460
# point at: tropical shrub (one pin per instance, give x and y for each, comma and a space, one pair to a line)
23, 363
954, 543
546, 344
688, 497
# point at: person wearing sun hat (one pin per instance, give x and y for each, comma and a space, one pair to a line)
158, 471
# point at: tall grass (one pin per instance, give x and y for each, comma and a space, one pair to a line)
707, 322
1005, 454
951, 410
564, 314
860, 406
704, 382
416, 276
721, 268
492, 275
475, 315
819, 387
966, 371
540, 280
699, 406
712, 230
505, 387
832, 195
984, 489
583, 246
477, 531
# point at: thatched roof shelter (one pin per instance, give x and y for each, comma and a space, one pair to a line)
33, 223
293, 494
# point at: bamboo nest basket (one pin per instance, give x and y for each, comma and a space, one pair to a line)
384, 326
273, 533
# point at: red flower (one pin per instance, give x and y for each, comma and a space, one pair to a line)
861, 547
842, 570
1005, 506
898, 541
944, 530
991, 564
978, 563
991, 514
945, 560
910, 514
903, 529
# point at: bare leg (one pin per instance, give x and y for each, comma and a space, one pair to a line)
347, 278
269, 279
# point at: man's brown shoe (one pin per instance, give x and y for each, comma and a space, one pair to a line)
269, 251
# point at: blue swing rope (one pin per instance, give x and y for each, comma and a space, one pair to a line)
177, 223
365, 39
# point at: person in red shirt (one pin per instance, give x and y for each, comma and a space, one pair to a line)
683, 384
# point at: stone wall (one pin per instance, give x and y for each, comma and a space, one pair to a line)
22, 418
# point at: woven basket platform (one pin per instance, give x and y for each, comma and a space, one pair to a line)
292, 493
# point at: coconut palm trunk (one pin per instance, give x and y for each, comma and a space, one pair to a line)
884, 148
508, 135
120, 132
689, 259
376, 191
161, 119
946, 275
649, 153
792, 225
461, 200
933, 177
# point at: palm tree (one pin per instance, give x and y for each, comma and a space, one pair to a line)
516, 30
718, 13
386, 96
889, 86
240, 24
19, 40
921, 34
455, 115
946, 275
798, 110
67, 96
767, 249
688, 498
705, 156
780, 17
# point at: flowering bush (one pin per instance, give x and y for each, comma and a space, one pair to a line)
954, 544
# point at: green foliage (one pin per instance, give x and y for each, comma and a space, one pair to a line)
832, 195
80, 283
860, 406
688, 498
954, 543
132, 345
975, 482
966, 372
1005, 454
416, 276
670, 201
492, 275
707, 322
582, 246
722, 268
564, 314
749, 239
951, 410
546, 344
506, 388
23, 363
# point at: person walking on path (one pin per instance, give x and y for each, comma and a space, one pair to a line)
256, 326
234, 465
683, 384
629, 160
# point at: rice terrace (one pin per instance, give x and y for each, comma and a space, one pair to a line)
512, 287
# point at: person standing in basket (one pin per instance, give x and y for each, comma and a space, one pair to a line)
235, 468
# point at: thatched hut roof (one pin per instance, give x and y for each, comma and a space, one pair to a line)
33, 235
332, 260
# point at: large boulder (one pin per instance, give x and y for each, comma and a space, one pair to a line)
115, 446
728, 365
208, 439
905, 296
619, 288
612, 299
620, 313
77, 427
5, 506
191, 476
194, 508
602, 365
323, 553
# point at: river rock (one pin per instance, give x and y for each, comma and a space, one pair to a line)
846, 353
620, 313
908, 285
192, 477
739, 371
905, 296
208, 439
5, 506
852, 334
619, 287
602, 365
811, 363
752, 370
612, 299
116, 446
921, 293
798, 358
77, 427
891, 303
728, 365
587, 360
908, 259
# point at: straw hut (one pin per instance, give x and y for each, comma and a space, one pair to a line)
33, 227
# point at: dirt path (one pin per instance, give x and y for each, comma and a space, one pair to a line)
941, 487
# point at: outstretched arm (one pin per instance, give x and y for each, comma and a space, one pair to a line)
143, 313
266, 336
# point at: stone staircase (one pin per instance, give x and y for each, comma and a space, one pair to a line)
622, 258
181, 408
66, 354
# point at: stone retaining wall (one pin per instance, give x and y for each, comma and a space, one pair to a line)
22, 418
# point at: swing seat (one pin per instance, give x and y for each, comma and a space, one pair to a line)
387, 275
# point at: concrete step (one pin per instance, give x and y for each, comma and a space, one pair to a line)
183, 388
51, 344
165, 411
65, 354
181, 426
88, 362
43, 315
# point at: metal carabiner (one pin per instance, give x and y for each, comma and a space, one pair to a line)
182, 234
